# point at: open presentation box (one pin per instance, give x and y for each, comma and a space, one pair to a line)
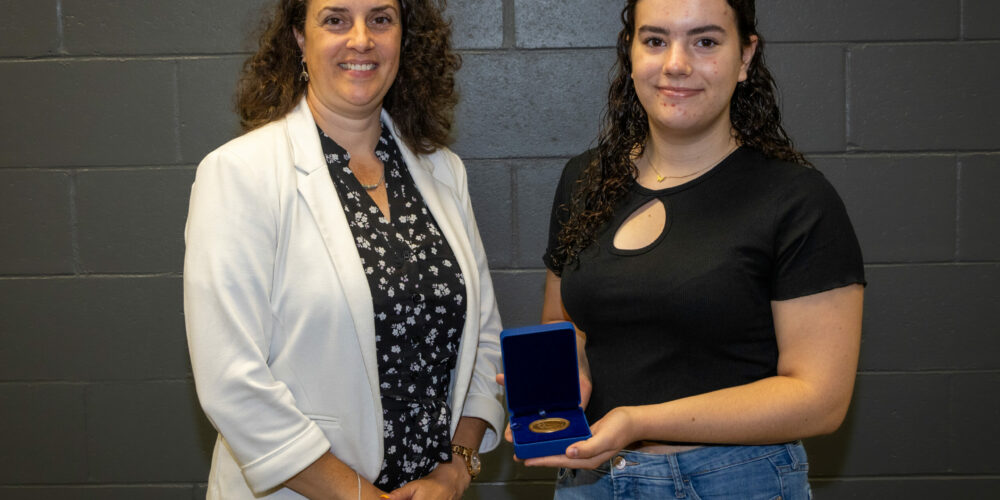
543, 389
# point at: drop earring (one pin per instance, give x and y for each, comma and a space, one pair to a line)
304, 75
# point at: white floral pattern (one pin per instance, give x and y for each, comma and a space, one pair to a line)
417, 294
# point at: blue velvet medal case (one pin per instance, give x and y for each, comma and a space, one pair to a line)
543, 382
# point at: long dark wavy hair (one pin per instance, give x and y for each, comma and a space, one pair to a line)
753, 111
421, 100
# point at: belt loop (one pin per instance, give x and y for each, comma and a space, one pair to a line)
790, 449
675, 471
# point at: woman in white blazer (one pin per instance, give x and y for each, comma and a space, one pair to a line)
286, 326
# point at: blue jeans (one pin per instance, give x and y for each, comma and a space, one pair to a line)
773, 472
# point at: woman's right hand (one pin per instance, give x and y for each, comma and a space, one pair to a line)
610, 435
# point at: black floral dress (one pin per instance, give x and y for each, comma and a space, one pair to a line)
418, 293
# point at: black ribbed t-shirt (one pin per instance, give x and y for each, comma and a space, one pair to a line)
691, 312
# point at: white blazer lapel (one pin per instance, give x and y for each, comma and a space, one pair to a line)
319, 193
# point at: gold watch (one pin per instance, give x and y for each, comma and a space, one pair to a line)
472, 462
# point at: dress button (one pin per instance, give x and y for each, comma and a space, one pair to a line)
417, 298
618, 462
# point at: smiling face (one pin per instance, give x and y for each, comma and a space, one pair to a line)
351, 49
686, 60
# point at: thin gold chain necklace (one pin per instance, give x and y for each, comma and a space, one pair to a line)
660, 177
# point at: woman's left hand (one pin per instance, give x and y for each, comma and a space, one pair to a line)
610, 435
447, 482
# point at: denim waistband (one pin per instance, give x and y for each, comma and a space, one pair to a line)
699, 460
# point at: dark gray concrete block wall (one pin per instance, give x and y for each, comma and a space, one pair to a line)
108, 105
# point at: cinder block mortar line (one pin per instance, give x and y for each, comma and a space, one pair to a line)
64, 58
87, 383
770, 44
73, 225
101, 168
176, 274
176, 89
953, 438
905, 153
509, 28
515, 50
961, 19
888, 155
872, 265
87, 451
133, 168
958, 207
868, 265
61, 48
39, 277
466, 158
831, 154
515, 226
966, 154
847, 100
11, 383
954, 446
904, 43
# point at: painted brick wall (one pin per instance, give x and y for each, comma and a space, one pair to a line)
107, 106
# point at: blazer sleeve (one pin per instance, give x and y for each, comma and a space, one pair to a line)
231, 240
485, 396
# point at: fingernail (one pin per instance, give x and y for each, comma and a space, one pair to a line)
573, 453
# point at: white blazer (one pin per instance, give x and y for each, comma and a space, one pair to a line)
279, 315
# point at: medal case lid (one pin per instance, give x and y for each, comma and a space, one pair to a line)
540, 368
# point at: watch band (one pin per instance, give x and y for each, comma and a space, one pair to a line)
471, 457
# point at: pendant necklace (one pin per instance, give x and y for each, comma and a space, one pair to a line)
660, 177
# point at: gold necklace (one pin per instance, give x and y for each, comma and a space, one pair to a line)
660, 177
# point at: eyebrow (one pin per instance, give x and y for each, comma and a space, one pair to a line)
700, 30
381, 8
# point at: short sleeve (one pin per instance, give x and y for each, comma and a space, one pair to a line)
816, 248
560, 206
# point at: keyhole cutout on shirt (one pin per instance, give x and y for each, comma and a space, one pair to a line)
643, 227
372, 165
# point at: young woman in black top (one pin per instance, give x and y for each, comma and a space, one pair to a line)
713, 276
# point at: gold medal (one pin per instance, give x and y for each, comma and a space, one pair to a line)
548, 425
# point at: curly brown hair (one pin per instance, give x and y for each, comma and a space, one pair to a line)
421, 100
753, 111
